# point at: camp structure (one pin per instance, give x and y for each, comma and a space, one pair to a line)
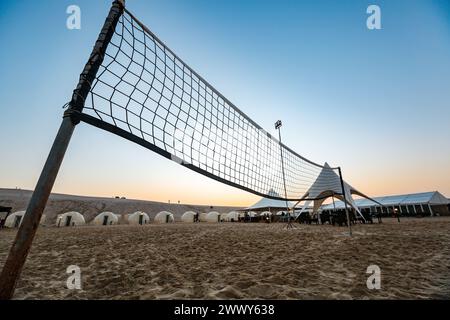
213, 216
232, 216
265, 214
70, 219
105, 219
138, 218
14, 220
415, 204
271, 205
202, 217
223, 217
4, 213
188, 216
164, 217
328, 184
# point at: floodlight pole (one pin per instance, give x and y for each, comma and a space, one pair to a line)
345, 202
278, 125
25, 235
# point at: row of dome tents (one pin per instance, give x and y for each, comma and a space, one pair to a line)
73, 218
109, 218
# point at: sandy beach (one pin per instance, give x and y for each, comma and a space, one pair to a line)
238, 260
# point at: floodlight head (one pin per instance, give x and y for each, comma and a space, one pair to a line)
278, 124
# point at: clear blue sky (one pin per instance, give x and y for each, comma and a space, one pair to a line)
376, 102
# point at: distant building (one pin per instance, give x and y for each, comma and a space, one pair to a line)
420, 204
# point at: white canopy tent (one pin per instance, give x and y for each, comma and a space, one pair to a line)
406, 203
328, 184
266, 204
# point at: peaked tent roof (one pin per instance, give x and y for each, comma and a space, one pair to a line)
270, 203
328, 183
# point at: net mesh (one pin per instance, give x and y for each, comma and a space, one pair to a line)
144, 89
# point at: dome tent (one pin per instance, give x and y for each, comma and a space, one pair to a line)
232, 216
202, 217
70, 219
188, 216
105, 219
14, 219
213, 216
164, 217
138, 218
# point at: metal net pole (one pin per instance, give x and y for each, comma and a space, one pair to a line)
345, 202
25, 235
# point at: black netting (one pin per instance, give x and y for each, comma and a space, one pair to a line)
144, 89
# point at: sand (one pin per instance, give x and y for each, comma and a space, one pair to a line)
238, 260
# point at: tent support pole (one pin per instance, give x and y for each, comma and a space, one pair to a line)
345, 202
25, 235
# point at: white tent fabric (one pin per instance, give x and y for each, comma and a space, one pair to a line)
43, 219
213, 216
305, 206
432, 198
202, 217
14, 220
439, 199
328, 184
232, 216
138, 217
70, 219
188, 216
266, 203
252, 214
164, 217
106, 218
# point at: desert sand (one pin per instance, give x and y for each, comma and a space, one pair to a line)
238, 260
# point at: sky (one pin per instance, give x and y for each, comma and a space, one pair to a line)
375, 102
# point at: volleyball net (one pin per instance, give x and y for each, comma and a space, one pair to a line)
147, 94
